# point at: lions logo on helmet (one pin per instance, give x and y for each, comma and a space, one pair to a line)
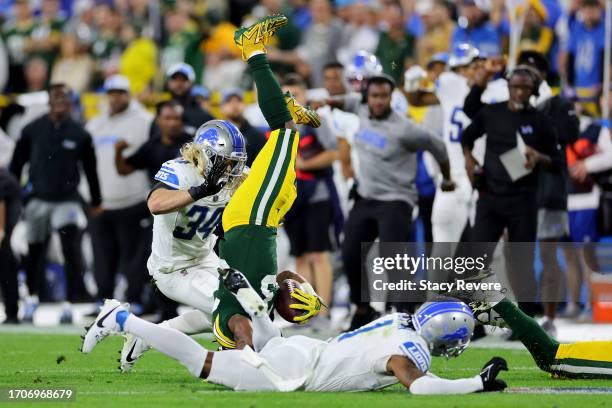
363, 65
221, 140
463, 54
446, 326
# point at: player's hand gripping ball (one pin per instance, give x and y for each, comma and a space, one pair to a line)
294, 304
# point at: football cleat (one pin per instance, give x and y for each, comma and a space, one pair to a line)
254, 38
300, 114
104, 324
133, 348
249, 299
484, 314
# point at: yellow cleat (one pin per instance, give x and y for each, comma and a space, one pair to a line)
253, 39
300, 114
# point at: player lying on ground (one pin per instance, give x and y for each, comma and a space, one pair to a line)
254, 213
395, 348
187, 202
588, 359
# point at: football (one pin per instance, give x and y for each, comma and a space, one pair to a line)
284, 300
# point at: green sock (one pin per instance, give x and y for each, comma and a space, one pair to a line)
269, 94
542, 348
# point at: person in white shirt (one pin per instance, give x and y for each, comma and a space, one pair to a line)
121, 234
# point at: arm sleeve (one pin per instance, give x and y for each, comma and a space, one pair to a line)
473, 131
88, 160
416, 137
473, 104
602, 160
21, 154
430, 385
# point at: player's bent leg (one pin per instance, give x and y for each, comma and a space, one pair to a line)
589, 359
251, 302
449, 216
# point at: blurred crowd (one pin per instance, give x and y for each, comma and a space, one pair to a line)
156, 70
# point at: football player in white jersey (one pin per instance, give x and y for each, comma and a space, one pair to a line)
365, 65
187, 203
451, 209
394, 348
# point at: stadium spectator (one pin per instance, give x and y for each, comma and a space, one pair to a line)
509, 201
232, 108
201, 94
386, 141
224, 67
16, 34
478, 29
10, 209
536, 35
319, 44
396, 48
182, 43
438, 30
56, 146
582, 62
308, 223
73, 67
589, 155
164, 146
180, 78
107, 46
360, 33
36, 75
121, 234
553, 222
47, 32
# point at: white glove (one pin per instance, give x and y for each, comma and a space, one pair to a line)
413, 77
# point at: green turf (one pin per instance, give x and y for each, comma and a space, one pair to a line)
31, 360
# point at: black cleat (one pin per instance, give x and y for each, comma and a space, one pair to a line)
234, 280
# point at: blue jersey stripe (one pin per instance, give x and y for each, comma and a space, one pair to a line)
167, 177
365, 329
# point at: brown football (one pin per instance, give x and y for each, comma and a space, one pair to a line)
284, 300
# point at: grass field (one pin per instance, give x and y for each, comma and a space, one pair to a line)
53, 361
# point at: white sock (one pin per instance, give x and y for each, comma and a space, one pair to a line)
171, 342
192, 322
263, 328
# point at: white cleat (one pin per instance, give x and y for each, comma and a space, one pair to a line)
133, 348
104, 324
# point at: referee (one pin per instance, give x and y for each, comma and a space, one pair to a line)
504, 202
386, 145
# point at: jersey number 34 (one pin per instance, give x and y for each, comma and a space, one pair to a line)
203, 221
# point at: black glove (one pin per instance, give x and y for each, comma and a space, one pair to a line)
211, 184
353, 194
489, 374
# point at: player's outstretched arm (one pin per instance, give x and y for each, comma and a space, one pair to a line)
427, 384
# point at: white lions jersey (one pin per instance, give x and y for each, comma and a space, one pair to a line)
451, 90
183, 239
357, 360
